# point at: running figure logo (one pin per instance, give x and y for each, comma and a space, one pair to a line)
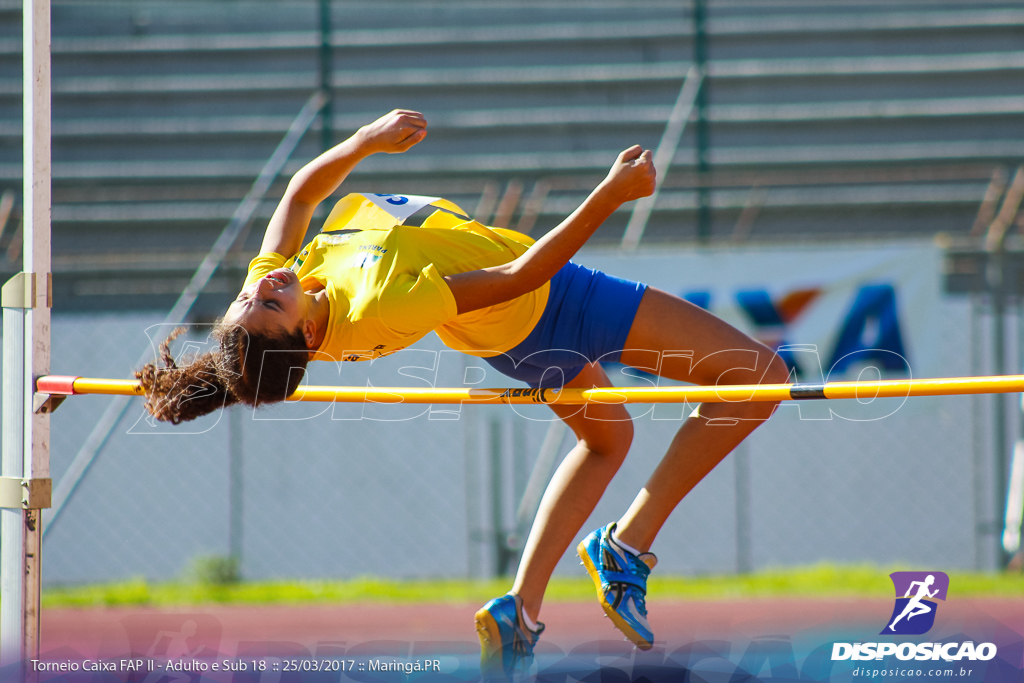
914, 613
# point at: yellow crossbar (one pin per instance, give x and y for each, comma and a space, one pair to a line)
863, 390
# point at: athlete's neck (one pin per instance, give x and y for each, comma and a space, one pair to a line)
320, 308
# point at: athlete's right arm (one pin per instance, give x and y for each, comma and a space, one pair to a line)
630, 177
390, 134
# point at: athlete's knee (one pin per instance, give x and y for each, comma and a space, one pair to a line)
769, 369
608, 440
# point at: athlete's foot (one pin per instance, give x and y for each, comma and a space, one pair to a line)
621, 581
506, 642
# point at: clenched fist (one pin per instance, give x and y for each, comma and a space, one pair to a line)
393, 133
632, 176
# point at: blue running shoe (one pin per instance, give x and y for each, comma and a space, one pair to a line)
506, 643
621, 581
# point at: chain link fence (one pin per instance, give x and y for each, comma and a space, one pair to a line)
322, 491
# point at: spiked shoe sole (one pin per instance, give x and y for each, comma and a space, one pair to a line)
489, 635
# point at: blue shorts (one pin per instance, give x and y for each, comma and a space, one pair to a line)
587, 318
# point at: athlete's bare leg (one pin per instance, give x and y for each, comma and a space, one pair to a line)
719, 354
603, 433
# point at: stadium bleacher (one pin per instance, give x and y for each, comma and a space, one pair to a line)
838, 120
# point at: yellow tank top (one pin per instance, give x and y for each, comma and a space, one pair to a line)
384, 280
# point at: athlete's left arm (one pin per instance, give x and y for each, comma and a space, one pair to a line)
392, 133
630, 177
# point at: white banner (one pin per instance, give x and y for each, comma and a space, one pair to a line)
830, 310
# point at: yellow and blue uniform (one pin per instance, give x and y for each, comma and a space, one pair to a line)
386, 289
385, 281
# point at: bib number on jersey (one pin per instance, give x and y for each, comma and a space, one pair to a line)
400, 206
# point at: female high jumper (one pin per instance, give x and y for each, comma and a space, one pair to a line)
368, 286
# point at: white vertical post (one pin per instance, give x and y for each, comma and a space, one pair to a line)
20, 571
36, 260
12, 521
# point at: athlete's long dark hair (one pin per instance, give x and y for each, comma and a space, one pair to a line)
239, 371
